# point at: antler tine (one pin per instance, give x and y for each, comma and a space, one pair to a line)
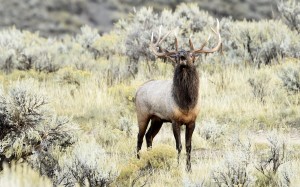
153, 46
217, 32
205, 43
159, 33
191, 43
176, 43
152, 37
166, 36
218, 28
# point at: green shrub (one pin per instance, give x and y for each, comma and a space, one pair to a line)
23, 50
160, 157
260, 86
290, 77
88, 165
270, 161
212, 131
188, 183
126, 125
290, 13
71, 76
258, 43
110, 44
30, 129
234, 168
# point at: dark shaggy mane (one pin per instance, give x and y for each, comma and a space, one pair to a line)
186, 86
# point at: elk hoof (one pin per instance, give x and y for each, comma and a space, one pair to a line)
188, 168
138, 155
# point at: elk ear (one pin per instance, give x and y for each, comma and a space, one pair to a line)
192, 56
195, 57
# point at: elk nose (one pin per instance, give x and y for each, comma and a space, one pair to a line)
183, 60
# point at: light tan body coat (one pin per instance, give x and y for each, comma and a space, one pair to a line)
154, 99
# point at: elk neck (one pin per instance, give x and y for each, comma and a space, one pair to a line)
185, 86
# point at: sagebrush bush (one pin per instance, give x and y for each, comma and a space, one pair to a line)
12, 44
260, 86
212, 131
88, 165
290, 13
258, 43
286, 175
290, 77
234, 170
269, 161
109, 45
126, 125
191, 19
189, 183
23, 50
71, 76
30, 129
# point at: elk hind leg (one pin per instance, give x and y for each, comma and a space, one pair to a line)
143, 124
156, 124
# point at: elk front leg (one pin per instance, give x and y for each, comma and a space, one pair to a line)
176, 132
188, 143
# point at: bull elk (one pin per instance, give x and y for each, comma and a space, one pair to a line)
175, 101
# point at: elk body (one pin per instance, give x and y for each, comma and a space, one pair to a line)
176, 101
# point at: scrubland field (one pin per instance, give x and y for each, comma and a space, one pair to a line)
68, 116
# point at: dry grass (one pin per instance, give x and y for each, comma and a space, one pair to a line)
22, 176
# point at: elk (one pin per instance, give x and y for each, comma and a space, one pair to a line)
176, 101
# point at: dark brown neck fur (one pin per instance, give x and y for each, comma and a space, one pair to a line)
186, 86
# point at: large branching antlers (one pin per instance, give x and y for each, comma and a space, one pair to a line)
193, 51
216, 48
153, 46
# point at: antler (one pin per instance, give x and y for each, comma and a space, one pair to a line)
191, 44
216, 48
153, 46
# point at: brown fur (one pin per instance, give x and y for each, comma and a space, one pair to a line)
185, 86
